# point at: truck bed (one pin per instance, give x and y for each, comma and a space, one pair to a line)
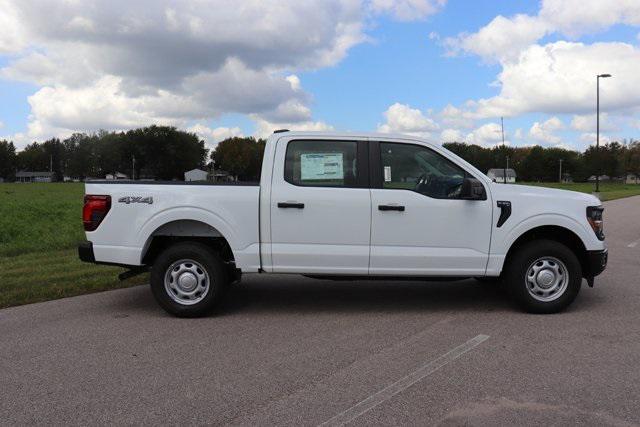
142, 209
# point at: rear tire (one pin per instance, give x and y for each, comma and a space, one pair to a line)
543, 276
188, 279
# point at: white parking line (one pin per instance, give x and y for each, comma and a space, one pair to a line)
633, 244
403, 383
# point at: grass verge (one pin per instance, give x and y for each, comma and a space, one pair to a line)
43, 276
608, 190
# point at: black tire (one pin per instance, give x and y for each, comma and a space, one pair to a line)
207, 262
524, 258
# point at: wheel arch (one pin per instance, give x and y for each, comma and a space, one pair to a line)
556, 233
182, 230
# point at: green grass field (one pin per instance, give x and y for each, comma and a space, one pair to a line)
40, 227
608, 191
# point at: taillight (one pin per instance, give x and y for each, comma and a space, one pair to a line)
594, 216
94, 210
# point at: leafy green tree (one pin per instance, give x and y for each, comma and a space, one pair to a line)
633, 159
241, 157
7, 160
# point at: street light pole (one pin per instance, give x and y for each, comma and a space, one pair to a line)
598, 77
504, 170
560, 173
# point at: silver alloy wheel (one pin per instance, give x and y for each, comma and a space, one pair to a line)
547, 279
186, 282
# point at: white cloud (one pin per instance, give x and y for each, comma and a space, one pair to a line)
118, 64
577, 17
560, 78
504, 38
544, 132
264, 128
591, 137
408, 10
456, 117
12, 37
489, 134
587, 123
501, 39
401, 118
212, 136
451, 135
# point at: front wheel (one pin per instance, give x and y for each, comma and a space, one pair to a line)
544, 276
188, 279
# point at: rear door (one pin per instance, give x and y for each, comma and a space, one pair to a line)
320, 207
419, 224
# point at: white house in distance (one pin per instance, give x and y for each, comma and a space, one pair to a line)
497, 175
116, 176
196, 175
26, 176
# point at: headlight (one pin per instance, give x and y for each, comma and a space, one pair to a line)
594, 216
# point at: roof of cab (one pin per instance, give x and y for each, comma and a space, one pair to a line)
338, 134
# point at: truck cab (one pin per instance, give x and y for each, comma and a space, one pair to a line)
349, 206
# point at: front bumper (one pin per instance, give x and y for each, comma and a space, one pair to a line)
597, 262
85, 252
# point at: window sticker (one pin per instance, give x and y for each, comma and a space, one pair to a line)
316, 166
387, 174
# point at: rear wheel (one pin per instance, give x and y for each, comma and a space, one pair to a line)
188, 279
544, 276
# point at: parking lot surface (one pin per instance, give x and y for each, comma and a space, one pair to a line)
288, 350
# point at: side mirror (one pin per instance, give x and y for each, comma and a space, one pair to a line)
472, 189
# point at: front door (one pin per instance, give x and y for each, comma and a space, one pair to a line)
320, 207
420, 226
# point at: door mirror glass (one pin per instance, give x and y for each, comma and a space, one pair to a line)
472, 189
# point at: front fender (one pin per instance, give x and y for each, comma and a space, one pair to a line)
528, 224
504, 240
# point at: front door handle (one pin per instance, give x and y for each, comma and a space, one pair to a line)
391, 208
290, 205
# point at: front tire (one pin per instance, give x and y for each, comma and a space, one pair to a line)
188, 279
544, 276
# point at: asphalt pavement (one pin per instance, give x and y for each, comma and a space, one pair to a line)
286, 350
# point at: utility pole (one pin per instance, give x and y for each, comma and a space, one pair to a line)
133, 167
598, 77
51, 163
560, 173
504, 148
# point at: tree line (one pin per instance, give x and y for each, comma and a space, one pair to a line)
165, 153
159, 152
242, 157
538, 163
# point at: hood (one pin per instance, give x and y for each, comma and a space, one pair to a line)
533, 192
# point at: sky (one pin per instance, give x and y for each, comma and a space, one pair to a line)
444, 70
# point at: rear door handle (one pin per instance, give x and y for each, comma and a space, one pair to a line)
391, 208
290, 205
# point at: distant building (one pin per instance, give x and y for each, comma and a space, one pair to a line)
632, 179
497, 175
222, 176
196, 175
26, 176
116, 176
1, 180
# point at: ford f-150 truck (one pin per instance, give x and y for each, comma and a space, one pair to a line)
347, 206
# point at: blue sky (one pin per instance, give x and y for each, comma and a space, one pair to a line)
444, 70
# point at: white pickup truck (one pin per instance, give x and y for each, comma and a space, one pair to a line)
347, 206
